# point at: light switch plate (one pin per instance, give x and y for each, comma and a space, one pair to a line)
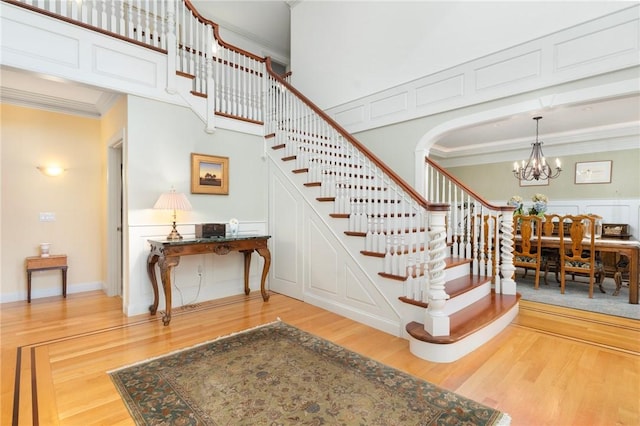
47, 216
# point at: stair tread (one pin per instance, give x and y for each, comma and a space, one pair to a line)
454, 288
468, 320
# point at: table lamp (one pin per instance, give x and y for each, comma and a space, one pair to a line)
173, 201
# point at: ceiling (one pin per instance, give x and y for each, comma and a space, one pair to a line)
267, 23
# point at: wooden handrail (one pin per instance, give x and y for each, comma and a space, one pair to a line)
216, 33
470, 191
397, 179
83, 25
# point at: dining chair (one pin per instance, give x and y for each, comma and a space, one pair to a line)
577, 250
551, 256
528, 254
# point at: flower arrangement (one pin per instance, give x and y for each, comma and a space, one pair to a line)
538, 208
539, 205
517, 202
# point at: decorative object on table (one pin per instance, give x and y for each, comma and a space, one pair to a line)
209, 174
247, 378
593, 172
536, 167
173, 201
45, 249
616, 230
233, 227
539, 206
517, 202
210, 230
597, 225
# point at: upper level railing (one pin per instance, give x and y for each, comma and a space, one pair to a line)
230, 78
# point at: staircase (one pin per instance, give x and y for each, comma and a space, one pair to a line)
442, 260
450, 302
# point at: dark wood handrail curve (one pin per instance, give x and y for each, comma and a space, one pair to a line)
397, 179
216, 33
470, 191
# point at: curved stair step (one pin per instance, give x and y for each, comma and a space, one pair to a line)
468, 320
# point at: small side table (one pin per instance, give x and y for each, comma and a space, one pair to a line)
37, 263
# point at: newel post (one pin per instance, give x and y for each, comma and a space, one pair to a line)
506, 251
436, 322
172, 47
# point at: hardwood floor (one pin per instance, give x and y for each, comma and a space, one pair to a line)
551, 366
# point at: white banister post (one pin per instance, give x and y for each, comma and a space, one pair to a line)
211, 84
172, 47
436, 322
506, 253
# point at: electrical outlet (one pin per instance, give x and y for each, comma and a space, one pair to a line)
199, 269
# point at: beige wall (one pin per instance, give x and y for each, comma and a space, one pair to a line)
496, 181
30, 138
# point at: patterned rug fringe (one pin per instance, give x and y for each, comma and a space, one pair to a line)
504, 420
193, 346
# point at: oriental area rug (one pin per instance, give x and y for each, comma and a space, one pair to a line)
277, 374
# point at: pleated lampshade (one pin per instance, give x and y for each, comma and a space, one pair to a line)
172, 201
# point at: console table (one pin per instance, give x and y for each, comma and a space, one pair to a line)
166, 254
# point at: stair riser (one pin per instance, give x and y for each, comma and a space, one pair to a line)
454, 351
467, 299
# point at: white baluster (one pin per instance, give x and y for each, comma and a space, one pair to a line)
368, 239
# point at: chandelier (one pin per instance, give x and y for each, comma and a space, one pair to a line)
536, 167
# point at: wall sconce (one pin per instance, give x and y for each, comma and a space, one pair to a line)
173, 201
51, 170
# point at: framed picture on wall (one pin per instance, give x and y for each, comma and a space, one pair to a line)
209, 174
540, 182
593, 172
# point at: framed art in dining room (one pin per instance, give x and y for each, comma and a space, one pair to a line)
593, 172
539, 182
209, 174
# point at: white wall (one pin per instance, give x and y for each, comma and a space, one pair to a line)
160, 140
341, 51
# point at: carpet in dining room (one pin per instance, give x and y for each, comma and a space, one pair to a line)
278, 374
576, 295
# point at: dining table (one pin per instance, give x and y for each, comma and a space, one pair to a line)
629, 248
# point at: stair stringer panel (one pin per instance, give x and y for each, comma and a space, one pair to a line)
334, 274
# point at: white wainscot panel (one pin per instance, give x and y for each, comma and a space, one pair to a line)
516, 68
440, 90
598, 45
119, 65
562, 208
389, 105
610, 213
41, 44
350, 116
286, 246
284, 219
356, 288
323, 261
